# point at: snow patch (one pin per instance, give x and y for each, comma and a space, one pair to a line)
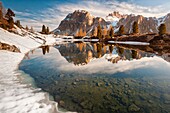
129, 42
16, 97
113, 19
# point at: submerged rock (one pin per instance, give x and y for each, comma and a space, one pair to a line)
74, 83
98, 84
133, 107
61, 103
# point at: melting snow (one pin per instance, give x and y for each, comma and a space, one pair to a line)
16, 97
129, 42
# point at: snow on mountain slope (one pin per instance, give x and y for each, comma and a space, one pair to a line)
24, 43
113, 20
16, 97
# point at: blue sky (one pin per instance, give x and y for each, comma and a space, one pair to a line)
50, 12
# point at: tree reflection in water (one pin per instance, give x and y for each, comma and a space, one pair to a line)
82, 53
100, 86
45, 49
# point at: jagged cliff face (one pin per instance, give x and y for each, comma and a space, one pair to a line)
166, 20
79, 19
146, 25
117, 14
113, 18
83, 19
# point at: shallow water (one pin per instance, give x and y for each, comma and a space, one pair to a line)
102, 78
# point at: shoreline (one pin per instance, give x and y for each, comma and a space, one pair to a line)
19, 92
16, 96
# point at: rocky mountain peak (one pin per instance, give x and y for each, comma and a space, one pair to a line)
117, 14
114, 17
146, 25
79, 19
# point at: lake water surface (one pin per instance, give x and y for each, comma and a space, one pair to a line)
102, 78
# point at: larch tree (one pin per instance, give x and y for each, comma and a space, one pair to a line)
111, 32
135, 28
9, 16
17, 23
162, 29
120, 51
26, 28
43, 29
99, 32
121, 30
81, 32
11, 23
32, 30
1, 15
84, 33
2, 20
134, 54
47, 30
95, 32
104, 31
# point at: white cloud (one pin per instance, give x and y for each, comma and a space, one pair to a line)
53, 16
23, 13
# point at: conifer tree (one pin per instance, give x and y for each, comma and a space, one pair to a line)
84, 32
135, 28
80, 32
111, 32
134, 53
110, 48
95, 32
4, 26
26, 28
104, 31
99, 32
162, 29
11, 22
9, 16
1, 15
121, 30
17, 23
43, 29
120, 50
47, 30
32, 30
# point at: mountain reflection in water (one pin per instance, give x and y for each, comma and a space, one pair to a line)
83, 53
103, 78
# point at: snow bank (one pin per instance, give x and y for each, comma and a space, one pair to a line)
24, 43
129, 42
16, 97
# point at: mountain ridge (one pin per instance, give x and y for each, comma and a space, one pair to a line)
81, 19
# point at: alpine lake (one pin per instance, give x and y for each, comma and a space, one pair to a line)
93, 77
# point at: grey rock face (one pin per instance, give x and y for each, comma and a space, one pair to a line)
79, 19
